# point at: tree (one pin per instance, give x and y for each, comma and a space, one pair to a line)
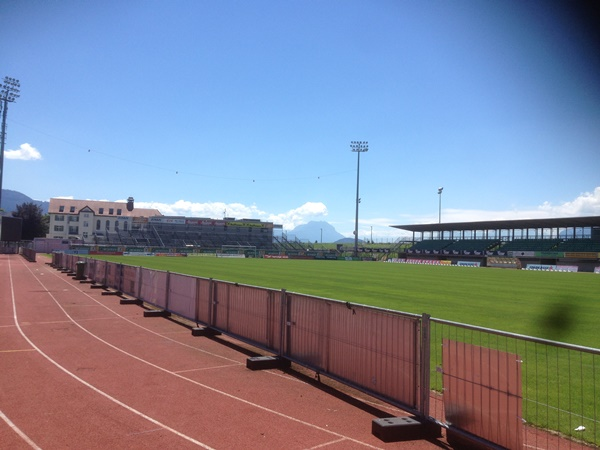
34, 224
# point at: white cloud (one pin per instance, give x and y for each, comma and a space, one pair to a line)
586, 204
209, 210
25, 152
297, 216
289, 219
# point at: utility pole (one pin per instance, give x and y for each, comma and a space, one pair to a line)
358, 147
9, 92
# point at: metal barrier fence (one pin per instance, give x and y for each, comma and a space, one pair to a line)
492, 386
507, 388
374, 350
28, 253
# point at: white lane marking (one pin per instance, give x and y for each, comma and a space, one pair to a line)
175, 374
18, 431
82, 381
161, 335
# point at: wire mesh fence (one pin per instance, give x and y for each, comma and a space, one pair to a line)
560, 384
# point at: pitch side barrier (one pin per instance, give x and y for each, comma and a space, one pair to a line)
374, 350
482, 385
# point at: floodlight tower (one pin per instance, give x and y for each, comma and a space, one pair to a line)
358, 147
440, 189
9, 92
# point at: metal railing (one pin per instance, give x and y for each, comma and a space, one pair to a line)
559, 384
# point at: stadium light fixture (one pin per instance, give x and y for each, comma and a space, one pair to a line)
9, 92
358, 147
440, 189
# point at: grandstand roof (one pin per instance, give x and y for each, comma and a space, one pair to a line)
567, 222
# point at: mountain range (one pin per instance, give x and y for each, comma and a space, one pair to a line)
10, 200
317, 232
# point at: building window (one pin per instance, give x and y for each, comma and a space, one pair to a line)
61, 208
101, 210
58, 218
117, 226
119, 211
98, 224
72, 209
59, 228
107, 225
86, 224
111, 211
73, 230
86, 215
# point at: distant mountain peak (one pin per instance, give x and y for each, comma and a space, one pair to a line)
316, 231
10, 200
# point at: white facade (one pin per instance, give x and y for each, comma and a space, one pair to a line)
85, 219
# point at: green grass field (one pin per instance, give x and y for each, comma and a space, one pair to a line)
556, 306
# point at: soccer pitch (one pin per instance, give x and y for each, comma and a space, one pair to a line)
560, 306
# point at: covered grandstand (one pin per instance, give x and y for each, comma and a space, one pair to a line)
198, 233
572, 240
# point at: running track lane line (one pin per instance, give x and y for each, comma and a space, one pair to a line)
18, 431
175, 374
163, 336
85, 383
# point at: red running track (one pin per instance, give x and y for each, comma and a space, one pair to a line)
79, 370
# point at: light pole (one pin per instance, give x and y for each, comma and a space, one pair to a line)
358, 147
440, 189
9, 92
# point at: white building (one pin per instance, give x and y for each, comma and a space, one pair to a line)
85, 219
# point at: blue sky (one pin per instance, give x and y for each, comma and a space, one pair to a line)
201, 107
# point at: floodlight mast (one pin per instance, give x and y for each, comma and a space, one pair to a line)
440, 189
9, 92
358, 147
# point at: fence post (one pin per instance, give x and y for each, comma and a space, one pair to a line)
139, 283
283, 322
120, 287
197, 301
212, 309
167, 288
105, 279
425, 376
